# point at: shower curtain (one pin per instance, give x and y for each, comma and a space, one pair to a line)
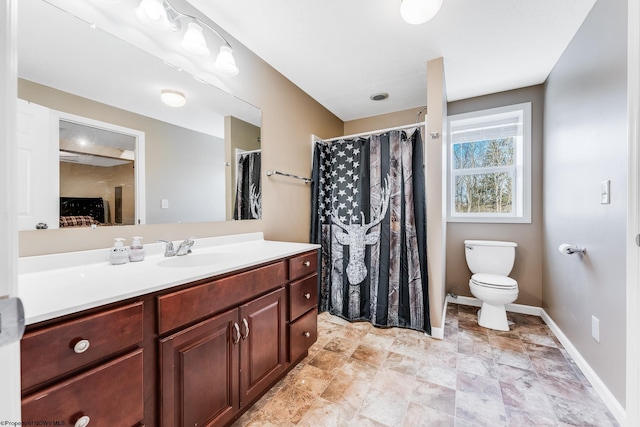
368, 214
248, 203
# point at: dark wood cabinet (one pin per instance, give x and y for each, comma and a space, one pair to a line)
209, 370
199, 369
53, 351
263, 349
199, 354
108, 395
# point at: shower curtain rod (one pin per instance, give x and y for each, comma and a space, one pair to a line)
355, 135
250, 152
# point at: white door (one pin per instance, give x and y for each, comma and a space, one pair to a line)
38, 170
9, 355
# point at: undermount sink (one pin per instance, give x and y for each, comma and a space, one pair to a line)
196, 260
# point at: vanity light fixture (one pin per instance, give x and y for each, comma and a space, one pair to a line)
193, 40
226, 63
162, 14
157, 15
173, 98
419, 11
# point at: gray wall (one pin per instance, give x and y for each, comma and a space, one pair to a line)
527, 269
586, 142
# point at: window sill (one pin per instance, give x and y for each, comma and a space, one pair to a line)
491, 220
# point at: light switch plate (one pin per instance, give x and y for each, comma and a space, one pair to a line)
595, 328
605, 187
164, 203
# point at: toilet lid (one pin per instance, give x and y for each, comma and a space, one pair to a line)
494, 281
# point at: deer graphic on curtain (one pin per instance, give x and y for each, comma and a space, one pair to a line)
368, 214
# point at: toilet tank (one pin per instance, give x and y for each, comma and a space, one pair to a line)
488, 256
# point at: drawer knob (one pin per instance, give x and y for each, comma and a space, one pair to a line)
80, 347
307, 295
306, 263
306, 334
83, 421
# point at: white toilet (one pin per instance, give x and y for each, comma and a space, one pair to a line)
491, 262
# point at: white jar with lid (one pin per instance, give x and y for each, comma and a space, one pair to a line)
118, 254
136, 250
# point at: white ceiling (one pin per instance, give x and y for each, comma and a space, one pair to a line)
58, 50
342, 51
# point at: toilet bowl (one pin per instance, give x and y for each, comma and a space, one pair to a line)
491, 262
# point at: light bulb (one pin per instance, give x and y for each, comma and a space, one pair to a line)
226, 63
419, 11
194, 41
154, 13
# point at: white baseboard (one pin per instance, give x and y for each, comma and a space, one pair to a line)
599, 386
438, 333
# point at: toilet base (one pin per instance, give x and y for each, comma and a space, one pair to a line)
493, 317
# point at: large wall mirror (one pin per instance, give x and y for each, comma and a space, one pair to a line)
164, 164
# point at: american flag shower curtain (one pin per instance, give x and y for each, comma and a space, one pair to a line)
368, 214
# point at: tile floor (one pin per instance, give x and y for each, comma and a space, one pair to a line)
359, 375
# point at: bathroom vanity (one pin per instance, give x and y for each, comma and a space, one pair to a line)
198, 344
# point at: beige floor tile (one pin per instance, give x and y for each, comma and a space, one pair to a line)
360, 375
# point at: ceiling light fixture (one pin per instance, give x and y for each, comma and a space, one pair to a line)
419, 11
173, 98
162, 14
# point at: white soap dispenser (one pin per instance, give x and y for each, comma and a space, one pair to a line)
119, 254
136, 250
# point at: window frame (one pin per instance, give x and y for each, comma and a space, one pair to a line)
521, 168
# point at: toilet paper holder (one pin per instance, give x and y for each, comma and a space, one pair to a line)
568, 249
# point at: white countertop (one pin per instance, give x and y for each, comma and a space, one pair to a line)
56, 285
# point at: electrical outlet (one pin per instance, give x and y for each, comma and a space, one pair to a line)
595, 328
605, 188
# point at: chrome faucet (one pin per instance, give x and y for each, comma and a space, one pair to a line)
183, 249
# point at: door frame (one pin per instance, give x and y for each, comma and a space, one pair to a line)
633, 216
10, 354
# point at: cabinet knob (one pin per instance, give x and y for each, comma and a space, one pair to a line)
83, 421
306, 263
245, 325
306, 334
307, 295
236, 339
80, 347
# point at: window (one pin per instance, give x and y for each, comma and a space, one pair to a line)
489, 173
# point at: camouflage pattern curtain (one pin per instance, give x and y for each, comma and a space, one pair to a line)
248, 201
368, 214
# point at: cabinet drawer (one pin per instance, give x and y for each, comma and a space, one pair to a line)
303, 265
302, 334
52, 351
109, 395
185, 306
302, 296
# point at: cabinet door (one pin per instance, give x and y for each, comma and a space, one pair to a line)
263, 347
199, 373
